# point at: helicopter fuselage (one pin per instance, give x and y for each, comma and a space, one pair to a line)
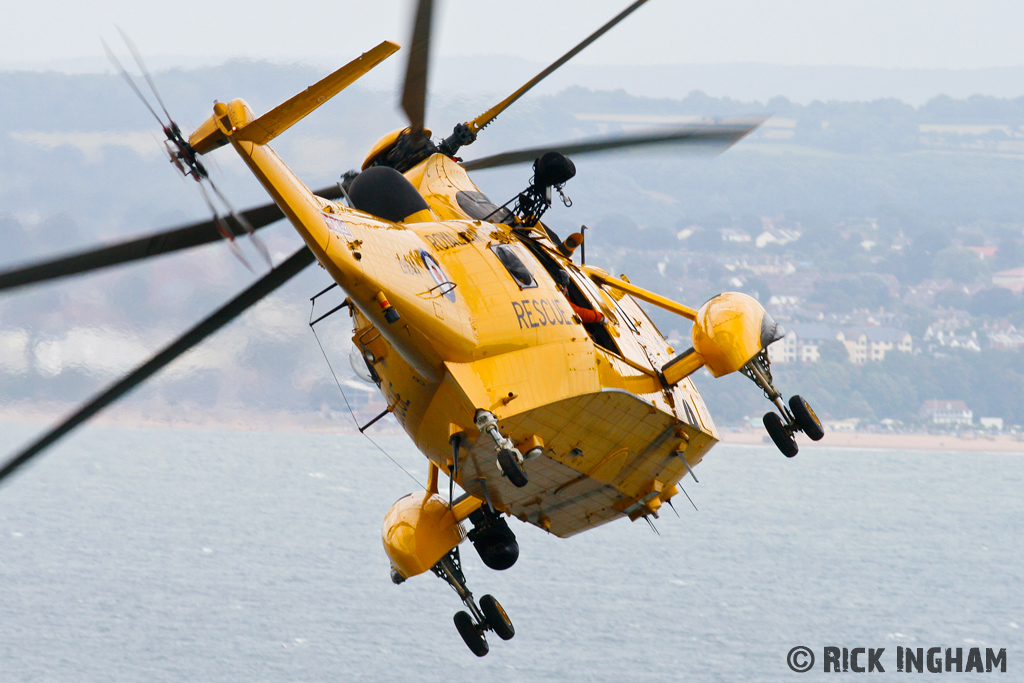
469, 336
559, 404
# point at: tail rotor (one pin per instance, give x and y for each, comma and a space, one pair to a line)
183, 156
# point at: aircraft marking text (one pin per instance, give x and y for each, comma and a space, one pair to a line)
443, 241
410, 262
541, 312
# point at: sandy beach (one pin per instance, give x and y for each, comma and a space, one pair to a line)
43, 416
1000, 443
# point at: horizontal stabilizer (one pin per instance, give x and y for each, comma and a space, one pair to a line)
284, 116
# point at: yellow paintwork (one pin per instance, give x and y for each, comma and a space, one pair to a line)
420, 528
652, 496
727, 332
603, 277
384, 143
210, 136
682, 366
418, 531
613, 433
381, 145
282, 117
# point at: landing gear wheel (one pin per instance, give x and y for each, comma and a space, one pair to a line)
805, 418
777, 430
468, 630
510, 467
496, 617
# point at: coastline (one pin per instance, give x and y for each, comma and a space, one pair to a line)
39, 416
999, 443
332, 422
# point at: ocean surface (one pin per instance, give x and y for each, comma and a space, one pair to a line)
149, 554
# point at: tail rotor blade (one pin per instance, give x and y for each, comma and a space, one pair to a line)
145, 72
131, 83
264, 286
241, 220
250, 230
222, 227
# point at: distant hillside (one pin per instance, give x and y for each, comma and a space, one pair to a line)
81, 161
497, 75
748, 82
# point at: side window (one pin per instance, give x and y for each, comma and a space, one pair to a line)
519, 271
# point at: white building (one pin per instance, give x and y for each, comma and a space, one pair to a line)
865, 344
801, 343
947, 412
993, 423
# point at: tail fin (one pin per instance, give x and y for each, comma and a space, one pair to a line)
213, 133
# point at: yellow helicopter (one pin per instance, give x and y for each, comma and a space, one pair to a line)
540, 386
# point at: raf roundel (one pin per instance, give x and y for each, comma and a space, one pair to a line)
441, 280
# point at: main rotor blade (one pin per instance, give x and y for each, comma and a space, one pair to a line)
479, 122
165, 242
710, 135
414, 92
231, 310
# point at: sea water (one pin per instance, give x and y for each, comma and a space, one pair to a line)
159, 554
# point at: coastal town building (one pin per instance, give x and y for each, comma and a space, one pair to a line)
1012, 280
984, 252
734, 235
946, 412
801, 343
1005, 337
923, 293
994, 424
847, 425
864, 344
935, 336
776, 236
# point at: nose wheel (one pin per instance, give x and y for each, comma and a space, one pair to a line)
473, 622
511, 468
797, 416
510, 460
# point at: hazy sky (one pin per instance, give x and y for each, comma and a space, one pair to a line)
885, 33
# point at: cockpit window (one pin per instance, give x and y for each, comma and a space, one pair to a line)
478, 206
519, 271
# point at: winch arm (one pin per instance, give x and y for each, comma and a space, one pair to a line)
729, 329
604, 278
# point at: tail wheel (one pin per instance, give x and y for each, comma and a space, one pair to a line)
474, 638
510, 467
780, 435
496, 617
805, 418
